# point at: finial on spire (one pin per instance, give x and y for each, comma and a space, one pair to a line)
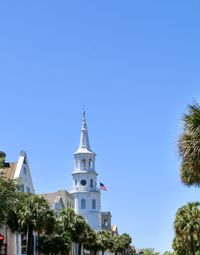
84, 113
84, 124
84, 140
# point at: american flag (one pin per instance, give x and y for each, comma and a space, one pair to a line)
102, 186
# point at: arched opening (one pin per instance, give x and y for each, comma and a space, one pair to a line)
93, 204
90, 164
91, 183
83, 204
83, 163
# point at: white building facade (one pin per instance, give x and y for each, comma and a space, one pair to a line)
87, 195
15, 242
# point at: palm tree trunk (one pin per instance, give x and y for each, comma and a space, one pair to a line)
30, 241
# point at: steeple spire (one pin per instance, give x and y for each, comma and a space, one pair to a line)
84, 139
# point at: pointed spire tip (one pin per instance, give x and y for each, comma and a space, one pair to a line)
84, 114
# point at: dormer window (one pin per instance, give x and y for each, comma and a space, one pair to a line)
24, 169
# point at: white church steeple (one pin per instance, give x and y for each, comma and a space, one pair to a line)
87, 195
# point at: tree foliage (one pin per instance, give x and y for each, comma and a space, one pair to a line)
31, 213
168, 253
150, 251
57, 243
8, 198
26, 213
187, 229
189, 146
121, 244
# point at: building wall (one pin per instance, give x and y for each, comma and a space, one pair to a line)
91, 215
68, 199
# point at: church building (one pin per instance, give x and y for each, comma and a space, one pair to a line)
85, 191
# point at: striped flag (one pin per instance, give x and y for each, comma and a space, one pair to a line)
102, 186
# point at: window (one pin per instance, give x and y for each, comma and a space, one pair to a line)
83, 204
23, 244
83, 163
17, 242
105, 223
24, 170
91, 183
93, 204
90, 163
21, 188
75, 182
28, 190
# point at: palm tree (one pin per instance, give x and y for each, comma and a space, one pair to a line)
121, 243
187, 229
58, 242
32, 213
92, 243
67, 219
87, 236
189, 147
76, 226
126, 241
79, 235
105, 240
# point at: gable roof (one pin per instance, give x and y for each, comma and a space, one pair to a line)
53, 198
16, 170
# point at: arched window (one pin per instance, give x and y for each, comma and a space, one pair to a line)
105, 223
90, 163
83, 204
93, 204
83, 163
91, 183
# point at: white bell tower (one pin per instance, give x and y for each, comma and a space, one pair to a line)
87, 195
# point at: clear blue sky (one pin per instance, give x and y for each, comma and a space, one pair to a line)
134, 66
